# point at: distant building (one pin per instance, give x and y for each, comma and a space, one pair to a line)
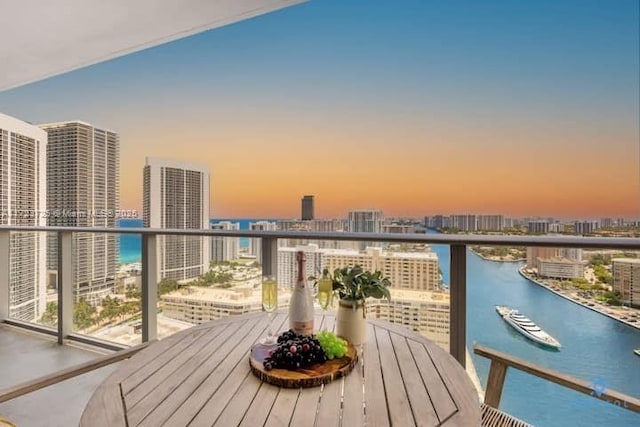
538, 227
255, 245
398, 228
197, 305
406, 270
556, 227
626, 279
176, 195
490, 222
585, 227
620, 222
438, 221
83, 187
560, 268
225, 248
307, 208
23, 202
424, 312
607, 223
466, 223
365, 221
508, 223
288, 267
535, 252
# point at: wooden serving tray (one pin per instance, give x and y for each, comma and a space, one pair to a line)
314, 375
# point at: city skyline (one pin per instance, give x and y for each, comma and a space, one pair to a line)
376, 106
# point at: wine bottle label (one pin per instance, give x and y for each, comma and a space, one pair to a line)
304, 328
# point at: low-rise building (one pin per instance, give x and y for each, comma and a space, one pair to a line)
626, 279
198, 305
560, 268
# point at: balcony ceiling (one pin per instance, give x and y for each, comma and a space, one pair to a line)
40, 39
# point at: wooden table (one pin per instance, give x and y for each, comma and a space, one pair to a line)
201, 377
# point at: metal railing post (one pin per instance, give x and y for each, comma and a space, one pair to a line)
5, 273
269, 259
458, 310
65, 284
149, 287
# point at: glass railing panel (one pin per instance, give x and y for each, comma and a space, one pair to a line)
573, 296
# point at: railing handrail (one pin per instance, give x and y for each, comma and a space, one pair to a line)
501, 361
631, 243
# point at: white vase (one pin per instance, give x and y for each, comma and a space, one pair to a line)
350, 322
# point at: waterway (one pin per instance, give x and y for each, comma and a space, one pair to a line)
594, 347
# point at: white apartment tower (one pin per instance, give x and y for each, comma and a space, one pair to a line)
83, 183
176, 195
225, 248
255, 245
23, 174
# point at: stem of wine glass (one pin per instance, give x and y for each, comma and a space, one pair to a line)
270, 329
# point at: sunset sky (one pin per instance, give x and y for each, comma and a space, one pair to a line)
414, 107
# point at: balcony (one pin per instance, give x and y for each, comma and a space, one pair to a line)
50, 355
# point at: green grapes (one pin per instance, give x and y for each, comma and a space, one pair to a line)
332, 345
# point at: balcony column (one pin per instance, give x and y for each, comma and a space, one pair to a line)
65, 285
269, 258
5, 273
458, 310
149, 287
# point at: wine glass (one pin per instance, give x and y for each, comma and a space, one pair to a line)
325, 292
269, 304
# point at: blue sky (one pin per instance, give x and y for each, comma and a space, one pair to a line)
544, 92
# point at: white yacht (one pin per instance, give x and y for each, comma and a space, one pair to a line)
526, 327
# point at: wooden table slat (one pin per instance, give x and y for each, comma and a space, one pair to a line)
397, 399
421, 405
198, 388
161, 404
225, 393
260, 407
376, 413
304, 413
238, 405
353, 397
440, 397
179, 367
282, 409
108, 404
458, 384
148, 367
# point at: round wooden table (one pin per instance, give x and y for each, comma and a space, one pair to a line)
201, 377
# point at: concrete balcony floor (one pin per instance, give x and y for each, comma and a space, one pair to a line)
26, 355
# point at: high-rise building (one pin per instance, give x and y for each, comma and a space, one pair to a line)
585, 227
23, 168
626, 279
490, 222
538, 227
225, 248
365, 221
463, 222
607, 222
287, 265
307, 208
83, 184
255, 245
176, 195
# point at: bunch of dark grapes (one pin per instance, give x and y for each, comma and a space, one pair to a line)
295, 351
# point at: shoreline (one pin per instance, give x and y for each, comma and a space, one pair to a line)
567, 297
496, 260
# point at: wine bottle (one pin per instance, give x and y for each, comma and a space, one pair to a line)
301, 304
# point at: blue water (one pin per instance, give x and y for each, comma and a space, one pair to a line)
130, 244
595, 347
